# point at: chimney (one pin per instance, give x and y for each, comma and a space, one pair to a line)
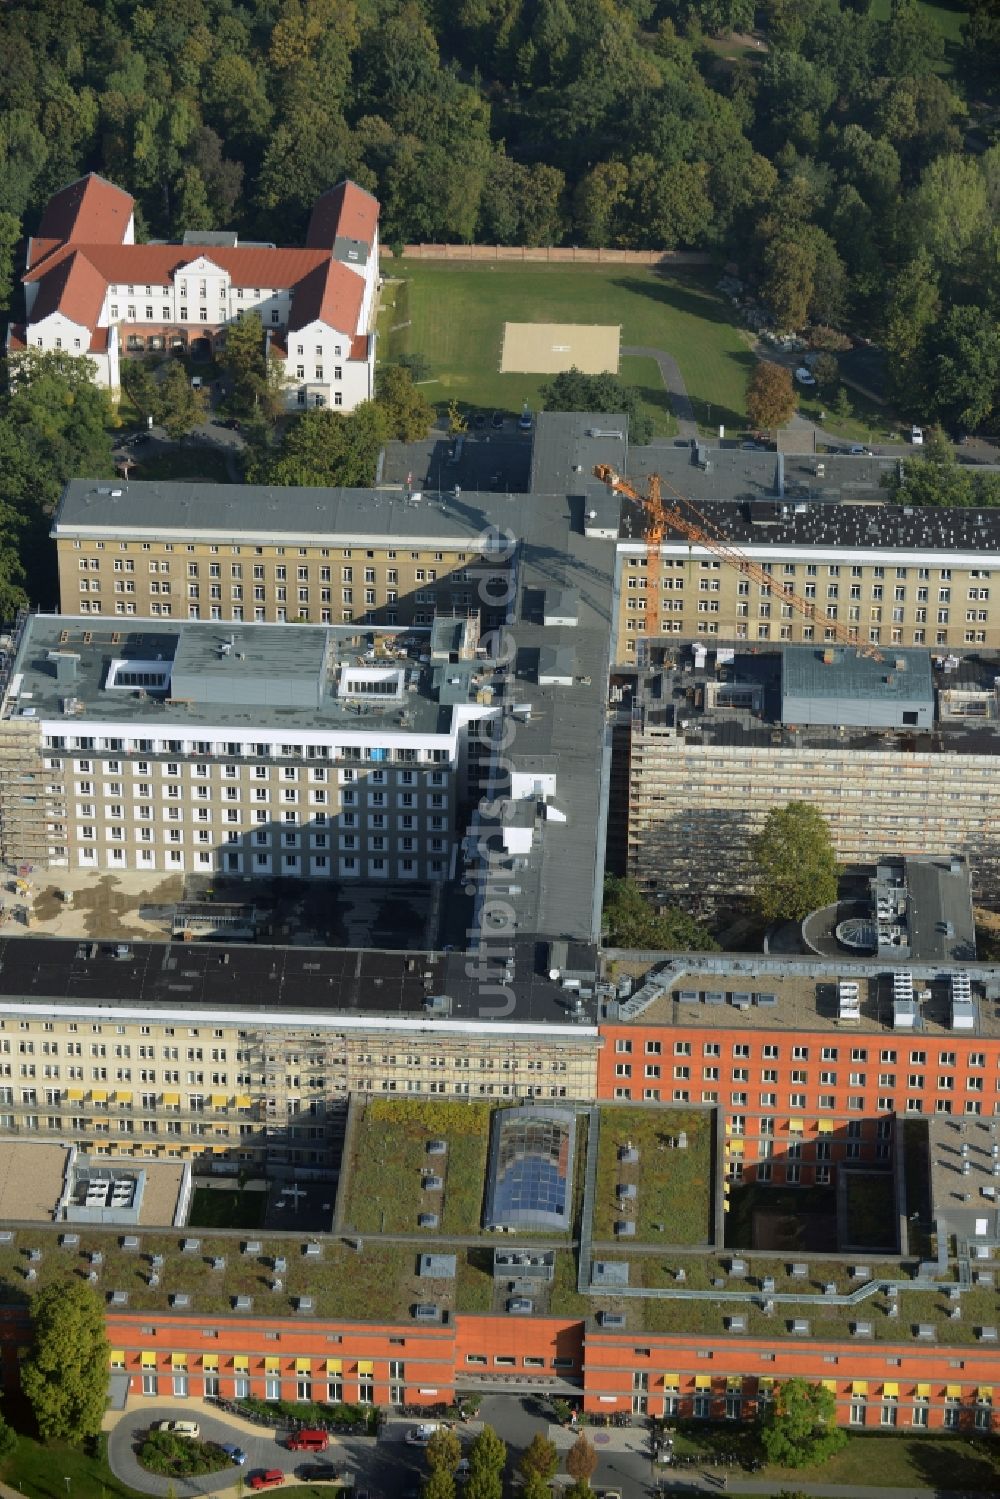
779, 477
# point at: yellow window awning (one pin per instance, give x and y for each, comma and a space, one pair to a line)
890, 1391
272, 1365
243, 1101
122, 1095
736, 1147
859, 1387
923, 1392
334, 1366
117, 1358
829, 1384
210, 1362
734, 1381
671, 1381
796, 1126
99, 1095
178, 1361
148, 1359
219, 1100
765, 1382
985, 1394
953, 1392
703, 1381
171, 1100
303, 1365
241, 1363
366, 1366
825, 1126
75, 1095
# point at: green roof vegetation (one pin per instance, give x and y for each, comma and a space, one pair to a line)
674, 1187
388, 1157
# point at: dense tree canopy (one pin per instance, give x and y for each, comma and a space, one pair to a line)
631, 921
795, 867
575, 391
800, 1427
64, 1378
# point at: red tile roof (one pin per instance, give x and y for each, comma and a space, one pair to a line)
73, 287
16, 337
330, 294
90, 210
38, 248
345, 210
359, 346
154, 265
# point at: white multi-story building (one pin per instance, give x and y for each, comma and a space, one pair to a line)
90, 290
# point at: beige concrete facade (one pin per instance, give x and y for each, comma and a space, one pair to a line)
183, 1087
174, 579
878, 596
694, 807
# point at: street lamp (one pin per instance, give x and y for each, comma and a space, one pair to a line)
68, 1482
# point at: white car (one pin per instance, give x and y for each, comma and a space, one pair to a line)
917, 436
196, 382
804, 376
179, 1428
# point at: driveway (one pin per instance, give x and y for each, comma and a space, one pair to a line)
260, 1443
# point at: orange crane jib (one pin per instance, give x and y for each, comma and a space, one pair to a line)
661, 517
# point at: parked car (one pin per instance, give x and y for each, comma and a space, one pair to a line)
857, 450
479, 421
196, 382
322, 1473
179, 1428
419, 1436
235, 1454
267, 1478
805, 376
917, 436
521, 1305
308, 1439
497, 420
524, 421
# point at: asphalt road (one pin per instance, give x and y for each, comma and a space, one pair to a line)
262, 1446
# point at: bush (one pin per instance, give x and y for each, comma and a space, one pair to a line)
366, 1419
179, 1457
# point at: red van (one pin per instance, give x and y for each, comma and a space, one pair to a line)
309, 1439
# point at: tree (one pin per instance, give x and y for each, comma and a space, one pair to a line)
581, 1459
630, 921
800, 1427
444, 1450
487, 1457
789, 280
534, 1486
244, 362
948, 213
770, 395
65, 1376
325, 447
539, 1459
580, 1490
408, 413
10, 233
178, 406
439, 1484
795, 867
827, 370
964, 351
575, 391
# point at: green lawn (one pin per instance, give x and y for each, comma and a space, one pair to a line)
674, 1186
905, 1461
213, 1207
40, 1471
454, 314
868, 422
389, 1157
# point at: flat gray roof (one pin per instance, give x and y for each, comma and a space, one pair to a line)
839, 671
249, 676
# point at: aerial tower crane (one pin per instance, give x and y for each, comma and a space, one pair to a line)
662, 515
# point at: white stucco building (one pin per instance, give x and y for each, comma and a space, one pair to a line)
91, 290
